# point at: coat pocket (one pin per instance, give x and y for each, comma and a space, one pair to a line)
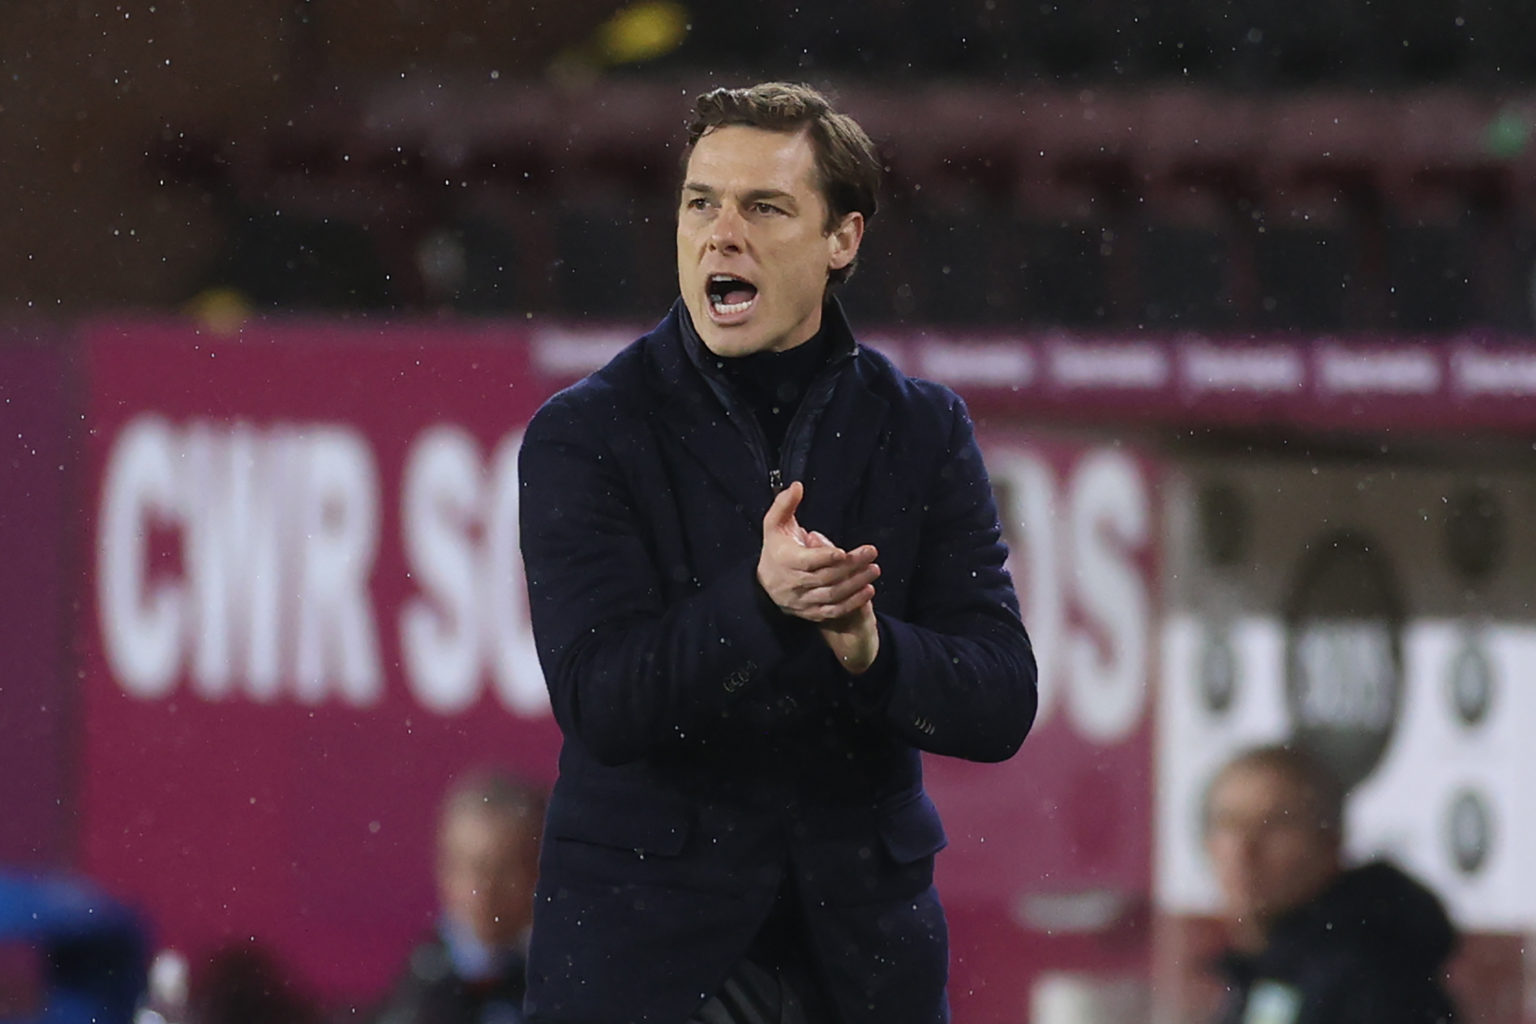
642, 823
614, 840
890, 858
913, 830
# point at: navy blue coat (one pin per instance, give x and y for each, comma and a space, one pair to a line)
713, 746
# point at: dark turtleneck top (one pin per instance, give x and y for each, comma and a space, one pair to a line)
772, 384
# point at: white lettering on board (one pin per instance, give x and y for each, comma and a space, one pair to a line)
1085, 596
240, 556
461, 542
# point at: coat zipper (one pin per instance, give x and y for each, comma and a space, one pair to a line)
776, 479
759, 439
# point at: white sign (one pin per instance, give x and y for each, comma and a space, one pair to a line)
1423, 676
1081, 531
244, 559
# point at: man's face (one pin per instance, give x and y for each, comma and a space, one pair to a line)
486, 869
753, 251
1264, 843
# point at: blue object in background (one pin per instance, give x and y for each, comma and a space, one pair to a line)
92, 951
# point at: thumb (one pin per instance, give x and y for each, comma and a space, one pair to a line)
781, 514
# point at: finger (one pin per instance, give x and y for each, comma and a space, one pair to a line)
813, 568
824, 567
857, 558
847, 606
829, 564
811, 594
781, 514
862, 553
838, 591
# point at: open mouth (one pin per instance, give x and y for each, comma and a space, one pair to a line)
730, 295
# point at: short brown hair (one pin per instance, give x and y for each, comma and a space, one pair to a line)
1325, 795
496, 791
847, 165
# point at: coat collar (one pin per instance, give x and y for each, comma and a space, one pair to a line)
700, 411
843, 346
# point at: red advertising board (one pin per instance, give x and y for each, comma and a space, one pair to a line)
306, 613
1475, 381
271, 516
1048, 867
36, 719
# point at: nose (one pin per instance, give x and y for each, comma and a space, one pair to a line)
726, 229
1251, 848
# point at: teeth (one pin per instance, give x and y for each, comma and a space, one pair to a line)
727, 308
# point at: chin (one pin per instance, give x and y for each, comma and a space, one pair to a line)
730, 342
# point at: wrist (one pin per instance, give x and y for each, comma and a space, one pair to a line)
858, 661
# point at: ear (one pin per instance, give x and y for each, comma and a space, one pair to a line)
843, 241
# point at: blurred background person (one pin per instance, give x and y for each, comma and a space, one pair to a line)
248, 983
1314, 942
471, 968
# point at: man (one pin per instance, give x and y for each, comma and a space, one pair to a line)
1312, 941
472, 969
765, 571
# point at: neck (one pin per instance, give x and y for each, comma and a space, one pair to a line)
1249, 934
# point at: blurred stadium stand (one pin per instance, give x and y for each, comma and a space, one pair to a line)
1161, 206
1246, 165
1214, 165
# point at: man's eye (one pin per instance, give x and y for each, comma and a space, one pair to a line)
696, 203
766, 208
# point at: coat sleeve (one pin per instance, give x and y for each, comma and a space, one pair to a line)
962, 676
626, 670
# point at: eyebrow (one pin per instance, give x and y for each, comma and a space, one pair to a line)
750, 196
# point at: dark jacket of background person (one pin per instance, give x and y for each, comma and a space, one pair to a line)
1370, 949
246, 982
432, 991
713, 747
